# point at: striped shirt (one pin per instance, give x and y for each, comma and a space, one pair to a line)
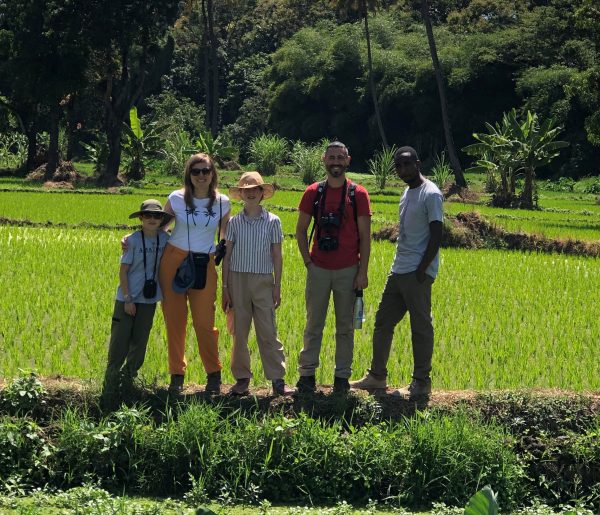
252, 238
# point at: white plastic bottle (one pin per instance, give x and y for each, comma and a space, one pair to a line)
359, 310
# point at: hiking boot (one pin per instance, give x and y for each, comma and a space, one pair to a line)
369, 382
213, 382
176, 386
240, 387
306, 384
340, 384
279, 388
416, 390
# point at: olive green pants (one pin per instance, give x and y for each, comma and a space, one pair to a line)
128, 341
402, 294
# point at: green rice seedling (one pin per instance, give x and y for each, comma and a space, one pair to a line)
502, 319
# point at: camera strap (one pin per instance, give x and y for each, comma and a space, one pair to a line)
319, 205
155, 257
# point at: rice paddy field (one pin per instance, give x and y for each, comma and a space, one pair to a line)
502, 319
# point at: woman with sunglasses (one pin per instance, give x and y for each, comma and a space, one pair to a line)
200, 211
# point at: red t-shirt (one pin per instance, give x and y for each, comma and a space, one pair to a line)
347, 253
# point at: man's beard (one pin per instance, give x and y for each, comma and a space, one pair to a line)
336, 171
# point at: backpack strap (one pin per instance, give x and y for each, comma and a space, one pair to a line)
320, 190
352, 195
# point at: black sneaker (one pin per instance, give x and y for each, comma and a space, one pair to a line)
213, 383
340, 384
306, 384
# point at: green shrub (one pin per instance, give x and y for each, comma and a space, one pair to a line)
307, 160
175, 152
267, 152
24, 454
563, 184
441, 172
454, 456
382, 165
13, 150
24, 395
593, 186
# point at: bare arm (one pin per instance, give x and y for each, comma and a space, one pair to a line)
361, 281
169, 210
277, 257
302, 236
124, 283
225, 297
224, 221
435, 240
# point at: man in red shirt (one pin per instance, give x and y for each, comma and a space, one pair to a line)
338, 263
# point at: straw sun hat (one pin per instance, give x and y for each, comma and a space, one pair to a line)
251, 180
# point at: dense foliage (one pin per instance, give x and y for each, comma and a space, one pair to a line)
299, 68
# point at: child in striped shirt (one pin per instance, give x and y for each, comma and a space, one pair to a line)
252, 283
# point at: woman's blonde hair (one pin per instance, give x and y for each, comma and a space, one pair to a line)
188, 193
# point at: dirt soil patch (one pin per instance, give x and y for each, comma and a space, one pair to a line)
537, 409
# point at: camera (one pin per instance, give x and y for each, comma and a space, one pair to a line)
150, 288
330, 221
220, 252
327, 243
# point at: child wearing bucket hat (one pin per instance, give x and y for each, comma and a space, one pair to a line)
252, 283
135, 303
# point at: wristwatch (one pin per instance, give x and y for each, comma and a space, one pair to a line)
128, 299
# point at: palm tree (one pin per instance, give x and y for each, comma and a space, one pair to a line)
362, 7
459, 177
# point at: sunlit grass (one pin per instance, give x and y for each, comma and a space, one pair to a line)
502, 319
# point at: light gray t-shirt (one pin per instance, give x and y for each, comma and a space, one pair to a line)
134, 257
418, 208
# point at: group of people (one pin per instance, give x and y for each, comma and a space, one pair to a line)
333, 237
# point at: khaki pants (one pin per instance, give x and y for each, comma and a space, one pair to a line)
320, 282
175, 311
252, 298
404, 293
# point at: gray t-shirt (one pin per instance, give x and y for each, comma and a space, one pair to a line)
418, 208
134, 257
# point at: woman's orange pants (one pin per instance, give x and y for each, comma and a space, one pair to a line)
175, 311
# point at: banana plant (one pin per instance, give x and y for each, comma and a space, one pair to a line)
219, 149
139, 145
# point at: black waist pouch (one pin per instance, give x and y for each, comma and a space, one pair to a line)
200, 266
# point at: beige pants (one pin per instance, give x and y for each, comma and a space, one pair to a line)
320, 282
252, 298
404, 293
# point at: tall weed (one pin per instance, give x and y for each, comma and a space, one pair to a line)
268, 151
382, 166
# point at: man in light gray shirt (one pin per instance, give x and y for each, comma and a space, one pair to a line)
408, 287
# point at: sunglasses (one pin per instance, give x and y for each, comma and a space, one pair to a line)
156, 216
198, 171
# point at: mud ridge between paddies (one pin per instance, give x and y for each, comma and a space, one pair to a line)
472, 231
545, 406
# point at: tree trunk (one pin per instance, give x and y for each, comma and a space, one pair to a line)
214, 66
31, 133
53, 156
371, 81
454, 161
527, 195
114, 128
206, 59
